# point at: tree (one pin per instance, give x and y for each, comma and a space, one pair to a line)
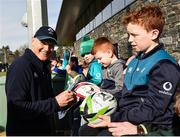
5, 50
1, 55
7, 56
22, 48
16, 54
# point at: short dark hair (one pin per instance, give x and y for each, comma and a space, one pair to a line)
74, 60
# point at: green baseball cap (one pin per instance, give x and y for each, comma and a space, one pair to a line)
86, 45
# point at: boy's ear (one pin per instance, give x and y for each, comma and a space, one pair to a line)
154, 34
109, 53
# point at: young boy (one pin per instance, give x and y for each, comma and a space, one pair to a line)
150, 81
104, 52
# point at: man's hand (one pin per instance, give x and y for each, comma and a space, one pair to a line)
65, 98
104, 123
122, 128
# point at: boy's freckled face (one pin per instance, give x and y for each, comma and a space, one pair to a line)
139, 38
103, 58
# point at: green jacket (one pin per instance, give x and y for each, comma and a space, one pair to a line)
94, 74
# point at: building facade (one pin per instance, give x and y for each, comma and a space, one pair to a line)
106, 21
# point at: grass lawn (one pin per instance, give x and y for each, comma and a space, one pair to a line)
2, 74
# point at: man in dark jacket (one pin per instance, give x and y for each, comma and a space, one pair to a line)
30, 99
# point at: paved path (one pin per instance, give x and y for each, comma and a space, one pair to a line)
3, 104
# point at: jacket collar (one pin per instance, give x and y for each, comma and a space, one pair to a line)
35, 60
141, 55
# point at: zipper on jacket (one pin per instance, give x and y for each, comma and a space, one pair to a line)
134, 71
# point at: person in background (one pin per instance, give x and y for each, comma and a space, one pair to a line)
30, 99
84, 66
73, 67
53, 64
150, 81
112, 74
66, 56
59, 63
94, 74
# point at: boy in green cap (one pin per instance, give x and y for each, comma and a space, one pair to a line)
94, 74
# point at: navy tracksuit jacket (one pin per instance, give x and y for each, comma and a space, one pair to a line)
149, 88
30, 98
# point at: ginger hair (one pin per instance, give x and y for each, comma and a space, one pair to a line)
102, 44
150, 17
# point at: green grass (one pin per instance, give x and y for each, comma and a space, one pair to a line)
2, 74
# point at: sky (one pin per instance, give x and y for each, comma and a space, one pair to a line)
12, 33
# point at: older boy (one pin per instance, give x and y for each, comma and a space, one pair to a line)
150, 80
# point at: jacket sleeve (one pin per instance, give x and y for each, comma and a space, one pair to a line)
19, 98
163, 80
95, 74
115, 85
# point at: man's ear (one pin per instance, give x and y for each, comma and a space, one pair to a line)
33, 41
154, 34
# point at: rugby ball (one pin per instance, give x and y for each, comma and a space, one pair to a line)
100, 103
84, 89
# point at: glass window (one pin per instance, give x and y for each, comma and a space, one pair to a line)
98, 19
83, 32
94, 23
87, 28
117, 5
127, 2
91, 26
106, 12
78, 35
